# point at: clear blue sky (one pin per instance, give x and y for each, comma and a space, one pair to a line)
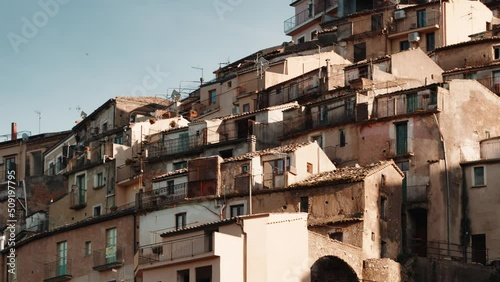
79, 54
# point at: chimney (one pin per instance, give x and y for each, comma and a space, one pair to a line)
252, 141
13, 131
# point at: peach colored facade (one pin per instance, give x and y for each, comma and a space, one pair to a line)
248, 248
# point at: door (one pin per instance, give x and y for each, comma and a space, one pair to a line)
401, 138
62, 259
479, 248
184, 142
111, 245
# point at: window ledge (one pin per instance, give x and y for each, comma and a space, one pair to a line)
99, 187
478, 186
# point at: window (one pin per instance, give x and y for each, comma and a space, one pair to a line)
310, 9
170, 187
246, 108
338, 235
377, 22
479, 176
237, 210
62, 259
277, 166
470, 75
401, 138
183, 275
180, 220
226, 153
10, 165
383, 206
229, 84
304, 204
301, 39
421, 18
411, 102
496, 52
318, 139
359, 52
496, 82
342, 142
96, 210
105, 127
179, 165
309, 168
404, 45
314, 34
111, 250
244, 169
203, 274
183, 142
88, 248
119, 139
99, 180
51, 170
383, 249
212, 94
430, 40
82, 189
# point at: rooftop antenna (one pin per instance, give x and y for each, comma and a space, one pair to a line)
201, 78
39, 121
224, 63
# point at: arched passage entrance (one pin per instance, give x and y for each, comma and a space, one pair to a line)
332, 269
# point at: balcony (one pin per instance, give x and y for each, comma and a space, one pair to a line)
416, 193
300, 91
412, 103
399, 148
171, 251
108, 258
328, 117
78, 198
161, 196
175, 146
415, 23
57, 271
297, 20
127, 173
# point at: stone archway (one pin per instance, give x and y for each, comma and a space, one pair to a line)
332, 269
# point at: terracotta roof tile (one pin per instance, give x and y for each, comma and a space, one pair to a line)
170, 173
281, 149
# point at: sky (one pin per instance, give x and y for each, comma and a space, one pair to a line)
61, 57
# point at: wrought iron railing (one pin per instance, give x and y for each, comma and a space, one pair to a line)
444, 250
107, 258
78, 197
426, 101
162, 196
415, 21
59, 270
174, 146
492, 83
399, 147
310, 121
298, 20
176, 249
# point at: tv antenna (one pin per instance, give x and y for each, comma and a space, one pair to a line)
39, 121
201, 78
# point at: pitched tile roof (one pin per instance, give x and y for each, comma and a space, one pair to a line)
276, 150
170, 173
343, 175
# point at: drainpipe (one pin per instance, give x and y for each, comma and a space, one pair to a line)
240, 222
448, 226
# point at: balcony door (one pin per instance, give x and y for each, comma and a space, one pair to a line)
401, 138
111, 245
80, 182
62, 259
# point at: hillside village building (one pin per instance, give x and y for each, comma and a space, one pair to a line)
363, 150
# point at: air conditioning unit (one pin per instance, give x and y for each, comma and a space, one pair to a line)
414, 37
399, 14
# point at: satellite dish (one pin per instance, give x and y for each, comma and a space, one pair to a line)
25, 137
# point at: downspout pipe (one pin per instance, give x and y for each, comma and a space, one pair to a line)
443, 146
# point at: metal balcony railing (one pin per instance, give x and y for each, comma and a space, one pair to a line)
78, 197
176, 249
298, 20
59, 270
415, 21
416, 194
174, 146
399, 147
492, 83
162, 196
328, 117
426, 101
451, 251
108, 258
